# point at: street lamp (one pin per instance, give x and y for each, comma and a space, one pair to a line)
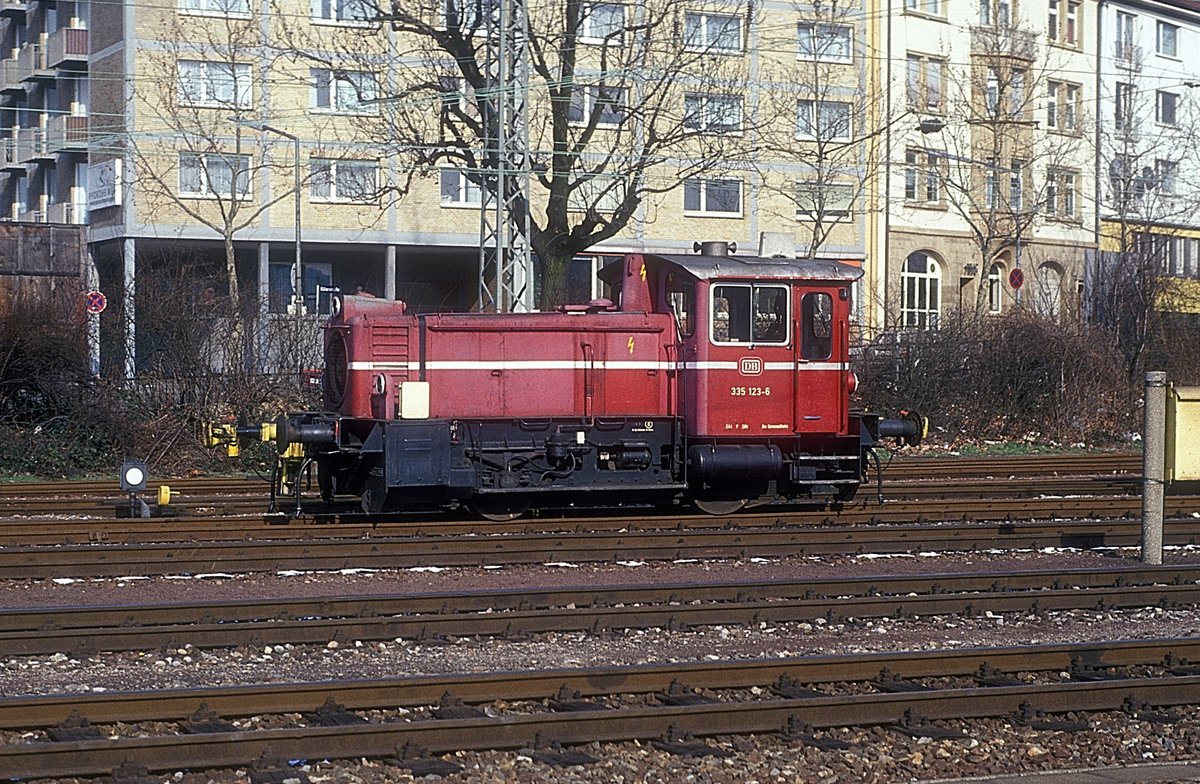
297, 305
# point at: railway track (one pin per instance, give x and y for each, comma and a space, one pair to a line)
795, 697
584, 546
908, 478
86, 630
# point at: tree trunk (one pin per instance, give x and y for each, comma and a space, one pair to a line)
235, 341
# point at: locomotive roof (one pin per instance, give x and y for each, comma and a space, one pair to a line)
710, 267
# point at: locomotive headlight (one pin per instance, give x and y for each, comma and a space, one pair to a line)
133, 476
851, 382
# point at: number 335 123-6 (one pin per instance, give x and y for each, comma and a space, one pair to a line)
750, 391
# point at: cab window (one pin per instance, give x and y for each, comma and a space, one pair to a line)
816, 315
681, 294
747, 313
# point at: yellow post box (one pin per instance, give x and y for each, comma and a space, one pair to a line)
1183, 434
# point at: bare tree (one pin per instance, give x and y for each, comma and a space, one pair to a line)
1149, 159
827, 119
625, 102
1002, 168
190, 153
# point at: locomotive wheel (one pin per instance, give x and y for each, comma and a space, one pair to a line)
720, 508
499, 510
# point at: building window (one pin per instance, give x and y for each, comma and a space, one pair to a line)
355, 181
922, 177
920, 292
1048, 292
342, 10
992, 91
1123, 107
216, 7
713, 197
1061, 193
214, 175
823, 120
1167, 39
991, 186
995, 13
457, 190
1063, 21
925, 77
931, 7
712, 113
712, 32
1165, 108
603, 106
1166, 174
342, 91
602, 23
1124, 44
818, 201
1016, 186
995, 289
825, 42
1016, 94
225, 85
466, 15
457, 97
597, 193
1062, 106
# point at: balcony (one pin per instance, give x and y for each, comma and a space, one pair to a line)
31, 63
67, 133
13, 7
34, 216
8, 155
1004, 42
67, 46
10, 81
67, 212
32, 146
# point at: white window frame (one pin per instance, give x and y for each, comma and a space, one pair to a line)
701, 188
818, 201
1123, 119
1126, 25
922, 177
927, 7
1062, 106
590, 32
233, 9
995, 277
208, 163
342, 90
583, 104
201, 83
1166, 39
471, 21
466, 193
826, 42
329, 171
704, 112
812, 121
925, 286
603, 193
925, 80
701, 35
332, 12
1062, 193
1166, 176
1161, 99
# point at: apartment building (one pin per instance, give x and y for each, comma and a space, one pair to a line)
1149, 163
991, 166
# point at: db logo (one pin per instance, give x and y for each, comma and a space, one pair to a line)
750, 366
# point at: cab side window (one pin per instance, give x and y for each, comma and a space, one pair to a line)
744, 313
816, 315
682, 297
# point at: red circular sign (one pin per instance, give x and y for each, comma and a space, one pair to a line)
1016, 278
95, 302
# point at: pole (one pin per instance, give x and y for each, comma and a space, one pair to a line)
298, 272
1153, 461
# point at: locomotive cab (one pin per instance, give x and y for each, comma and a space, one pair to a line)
764, 380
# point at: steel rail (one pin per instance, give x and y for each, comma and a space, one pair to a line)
509, 613
520, 729
584, 547
207, 529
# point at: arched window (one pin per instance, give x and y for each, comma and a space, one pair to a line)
920, 291
1047, 292
995, 288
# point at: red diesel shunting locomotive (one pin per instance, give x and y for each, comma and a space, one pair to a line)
715, 380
